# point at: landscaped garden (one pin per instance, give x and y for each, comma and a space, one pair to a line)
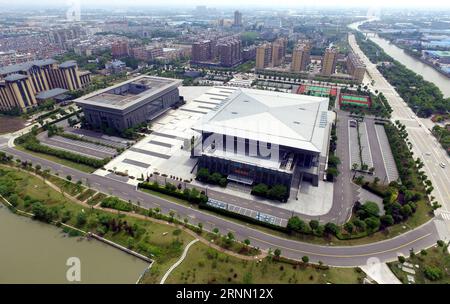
431, 266
204, 265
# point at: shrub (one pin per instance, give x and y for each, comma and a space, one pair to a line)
277, 192
43, 213
331, 228
190, 195
433, 273
260, 190
387, 220
81, 219
215, 178
373, 223
115, 203
296, 224
314, 224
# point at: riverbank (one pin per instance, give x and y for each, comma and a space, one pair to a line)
415, 56
37, 253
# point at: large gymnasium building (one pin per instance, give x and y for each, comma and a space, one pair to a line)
256, 136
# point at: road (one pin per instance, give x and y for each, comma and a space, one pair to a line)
422, 237
345, 192
424, 143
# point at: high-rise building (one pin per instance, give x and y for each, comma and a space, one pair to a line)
329, 61
249, 53
263, 56
355, 67
230, 52
278, 51
20, 83
202, 51
120, 49
300, 58
237, 19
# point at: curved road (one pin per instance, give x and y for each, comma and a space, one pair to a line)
422, 237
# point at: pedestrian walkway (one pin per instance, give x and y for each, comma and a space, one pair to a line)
445, 215
177, 263
380, 273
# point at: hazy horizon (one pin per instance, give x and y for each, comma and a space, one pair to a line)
431, 4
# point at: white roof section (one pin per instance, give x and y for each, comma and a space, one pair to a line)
297, 121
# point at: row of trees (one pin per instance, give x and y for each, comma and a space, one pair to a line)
191, 195
443, 136
422, 96
204, 176
276, 192
30, 142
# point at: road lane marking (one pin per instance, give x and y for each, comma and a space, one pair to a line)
345, 256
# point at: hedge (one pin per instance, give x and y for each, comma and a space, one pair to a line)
115, 203
34, 145
171, 190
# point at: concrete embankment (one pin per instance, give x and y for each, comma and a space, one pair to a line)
124, 249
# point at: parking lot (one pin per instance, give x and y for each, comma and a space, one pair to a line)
80, 147
366, 152
112, 141
388, 158
262, 217
167, 149
353, 146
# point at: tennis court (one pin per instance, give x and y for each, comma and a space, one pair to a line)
318, 91
354, 100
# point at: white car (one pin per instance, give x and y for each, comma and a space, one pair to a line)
442, 165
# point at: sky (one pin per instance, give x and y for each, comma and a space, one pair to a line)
240, 3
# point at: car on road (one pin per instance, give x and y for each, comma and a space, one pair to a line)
427, 153
442, 165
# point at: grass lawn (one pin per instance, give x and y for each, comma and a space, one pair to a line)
97, 199
68, 163
66, 186
435, 258
204, 265
86, 194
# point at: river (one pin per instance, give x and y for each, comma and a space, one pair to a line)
34, 252
427, 72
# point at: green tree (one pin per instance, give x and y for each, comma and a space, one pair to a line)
433, 273
305, 259
331, 228
349, 227
296, 224
313, 224
81, 219
277, 253
387, 220
373, 223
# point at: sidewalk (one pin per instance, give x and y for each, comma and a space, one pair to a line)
380, 273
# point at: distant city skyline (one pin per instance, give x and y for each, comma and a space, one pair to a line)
233, 3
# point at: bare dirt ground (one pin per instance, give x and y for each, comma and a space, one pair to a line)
10, 124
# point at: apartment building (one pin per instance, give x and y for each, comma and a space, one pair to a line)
20, 83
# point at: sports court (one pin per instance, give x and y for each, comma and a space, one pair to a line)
318, 91
354, 100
